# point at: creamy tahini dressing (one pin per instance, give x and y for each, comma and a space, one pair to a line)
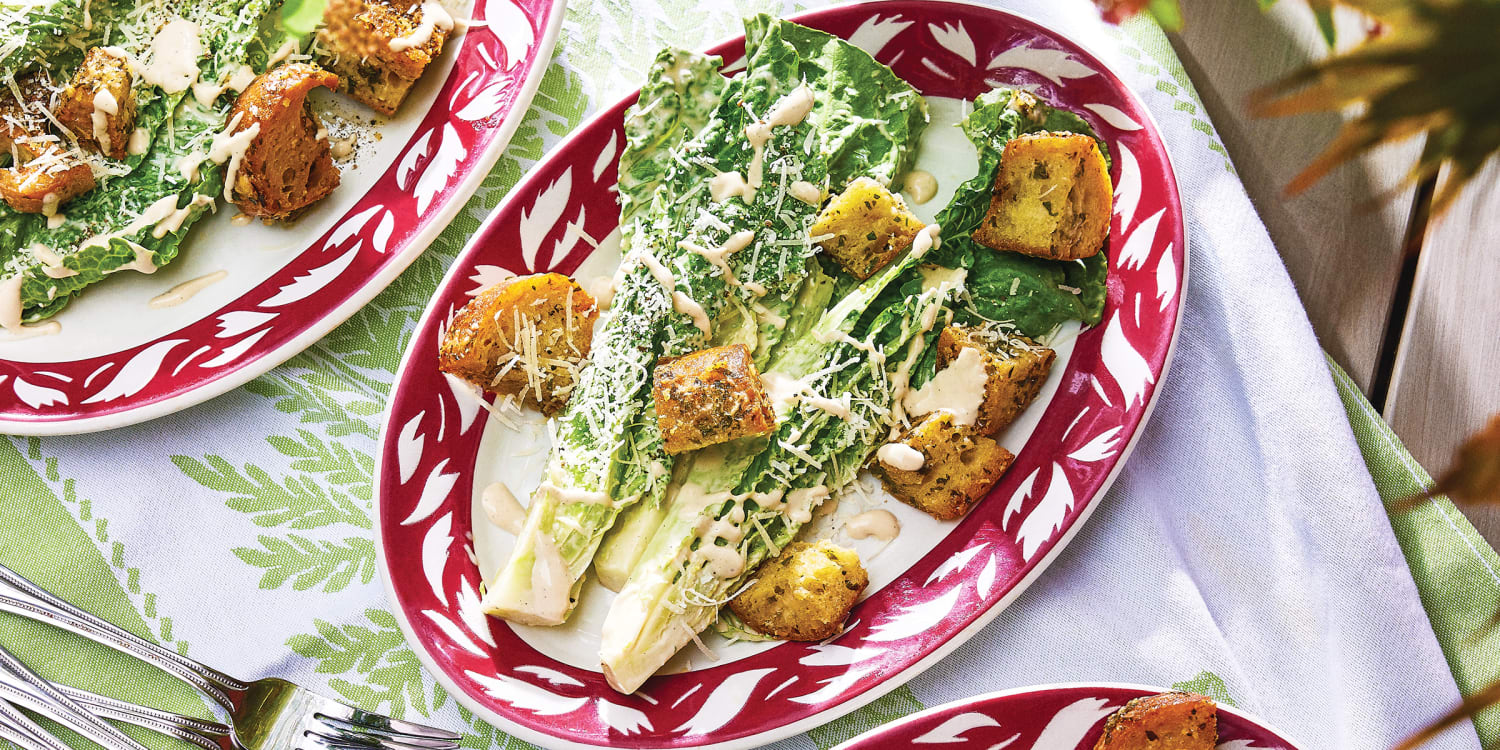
140, 140
957, 388
767, 317
920, 185
719, 257
602, 289
172, 61
800, 503
502, 508
901, 456
287, 49
52, 262
105, 106
790, 110
186, 290
687, 306
10, 303
231, 146
806, 192
879, 523
574, 495
434, 18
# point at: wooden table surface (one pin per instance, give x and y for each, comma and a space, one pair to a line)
1409, 307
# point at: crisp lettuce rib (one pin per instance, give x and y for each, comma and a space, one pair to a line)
595, 451
759, 505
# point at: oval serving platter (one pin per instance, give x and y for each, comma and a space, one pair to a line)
438, 450
117, 361
1065, 716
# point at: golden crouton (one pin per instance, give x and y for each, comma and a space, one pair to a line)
379, 49
870, 226
523, 337
958, 467
48, 182
287, 166
22, 123
1169, 721
1015, 365
1052, 198
805, 594
709, 397
100, 86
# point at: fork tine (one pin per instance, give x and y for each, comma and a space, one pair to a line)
366, 721
316, 741
354, 730
373, 737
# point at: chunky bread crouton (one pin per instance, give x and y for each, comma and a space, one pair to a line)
804, 594
957, 467
870, 226
1169, 721
524, 337
709, 397
98, 105
379, 49
46, 183
1052, 198
287, 167
23, 127
1017, 367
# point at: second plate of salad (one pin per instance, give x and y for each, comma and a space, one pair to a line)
774, 383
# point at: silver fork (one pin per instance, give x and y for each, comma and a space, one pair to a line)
265, 714
18, 729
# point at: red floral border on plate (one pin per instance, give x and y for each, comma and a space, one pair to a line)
433, 427
497, 68
1066, 716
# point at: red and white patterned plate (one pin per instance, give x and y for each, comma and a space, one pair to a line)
1054, 717
117, 362
427, 475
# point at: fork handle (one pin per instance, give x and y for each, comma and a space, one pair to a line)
22, 597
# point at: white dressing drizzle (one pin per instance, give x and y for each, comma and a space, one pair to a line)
574, 495
140, 140
901, 456
434, 18
718, 257
287, 49
172, 61
879, 523
767, 317
10, 303
728, 185
790, 110
231, 146
602, 289
957, 388
687, 306
800, 503
806, 192
502, 508
52, 262
105, 106
185, 291
920, 185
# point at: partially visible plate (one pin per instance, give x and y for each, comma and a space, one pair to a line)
117, 361
932, 588
1045, 717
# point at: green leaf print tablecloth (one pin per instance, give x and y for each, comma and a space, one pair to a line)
1244, 552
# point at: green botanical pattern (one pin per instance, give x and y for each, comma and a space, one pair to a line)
889, 707
1209, 684
1143, 41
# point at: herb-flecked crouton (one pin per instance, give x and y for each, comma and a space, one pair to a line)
1015, 365
524, 337
46, 183
97, 104
958, 467
804, 594
1052, 198
1169, 721
379, 49
22, 124
287, 167
708, 397
870, 226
